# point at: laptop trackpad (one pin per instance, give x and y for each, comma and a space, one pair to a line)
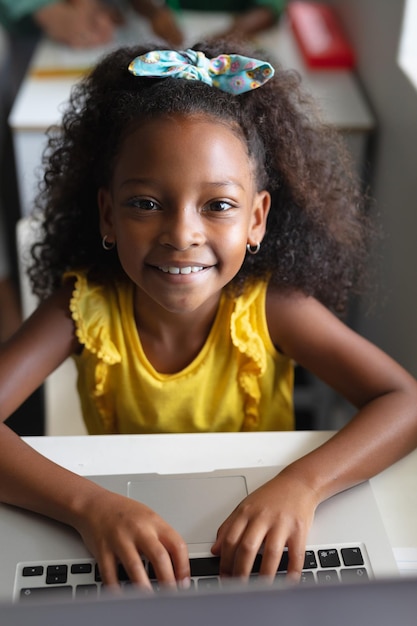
195, 507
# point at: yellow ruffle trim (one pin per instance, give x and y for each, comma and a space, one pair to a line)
95, 337
250, 345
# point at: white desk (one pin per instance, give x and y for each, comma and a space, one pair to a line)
395, 488
39, 102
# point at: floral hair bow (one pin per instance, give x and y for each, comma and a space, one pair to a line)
231, 73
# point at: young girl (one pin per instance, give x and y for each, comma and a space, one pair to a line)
199, 233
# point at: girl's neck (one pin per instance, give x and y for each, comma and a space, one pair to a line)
171, 341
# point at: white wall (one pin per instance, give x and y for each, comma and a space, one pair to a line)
374, 28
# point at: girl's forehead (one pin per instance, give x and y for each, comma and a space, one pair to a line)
187, 141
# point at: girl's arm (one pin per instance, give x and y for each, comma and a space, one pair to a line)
383, 430
39, 346
114, 528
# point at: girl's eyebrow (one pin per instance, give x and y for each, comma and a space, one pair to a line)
136, 180
225, 183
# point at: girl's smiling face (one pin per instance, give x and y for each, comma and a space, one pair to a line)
181, 206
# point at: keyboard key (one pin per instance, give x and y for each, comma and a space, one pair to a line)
329, 558
40, 593
212, 582
352, 556
327, 577
56, 574
209, 566
310, 560
205, 566
280, 580
306, 577
81, 568
354, 575
86, 591
33, 570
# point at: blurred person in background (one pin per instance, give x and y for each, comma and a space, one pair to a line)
88, 23
250, 16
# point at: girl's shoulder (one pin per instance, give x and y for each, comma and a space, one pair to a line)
278, 302
293, 317
305, 330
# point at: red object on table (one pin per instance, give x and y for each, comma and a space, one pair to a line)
320, 36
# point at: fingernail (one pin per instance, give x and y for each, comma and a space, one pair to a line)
293, 578
185, 583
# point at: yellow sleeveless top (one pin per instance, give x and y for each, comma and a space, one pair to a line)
238, 381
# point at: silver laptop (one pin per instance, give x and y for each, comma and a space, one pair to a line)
42, 559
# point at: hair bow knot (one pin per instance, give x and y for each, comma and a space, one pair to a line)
232, 73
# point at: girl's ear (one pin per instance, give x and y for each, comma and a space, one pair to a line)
257, 227
105, 208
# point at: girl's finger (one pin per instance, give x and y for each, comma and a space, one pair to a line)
178, 551
296, 556
108, 569
134, 567
161, 563
247, 550
272, 553
228, 538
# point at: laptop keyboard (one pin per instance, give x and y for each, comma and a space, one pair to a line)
80, 578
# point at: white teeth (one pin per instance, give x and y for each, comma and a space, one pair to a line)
181, 270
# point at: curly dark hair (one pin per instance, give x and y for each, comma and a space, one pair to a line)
317, 232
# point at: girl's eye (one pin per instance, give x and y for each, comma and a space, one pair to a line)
219, 206
144, 204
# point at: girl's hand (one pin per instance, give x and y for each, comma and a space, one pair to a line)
276, 515
117, 529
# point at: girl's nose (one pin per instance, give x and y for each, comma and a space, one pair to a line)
182, 229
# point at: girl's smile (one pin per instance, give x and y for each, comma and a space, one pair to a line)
181, 270
181, 207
